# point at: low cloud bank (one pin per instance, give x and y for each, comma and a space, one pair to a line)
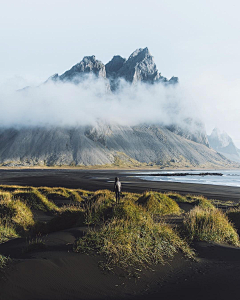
67, 104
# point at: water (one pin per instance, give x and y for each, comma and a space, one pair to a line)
229, 178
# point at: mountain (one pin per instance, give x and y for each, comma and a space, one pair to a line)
140, 66
223, 143
104, 144
175, 145
88, 65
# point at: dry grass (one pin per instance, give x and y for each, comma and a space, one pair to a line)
177, 197
35, 199
131, 239
204, 203
7, 230
209, 225
15, 213
158, 203
61, 194
98, 207
129, 244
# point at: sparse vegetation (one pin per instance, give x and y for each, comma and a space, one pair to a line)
3, 261
211, 225
7, 231
35, 244
15, 213
129, 235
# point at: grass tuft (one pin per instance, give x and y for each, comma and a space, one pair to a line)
209, 225
3, 261
129, 244
158, 203
177, 197
15, 214
35, 244
98, 207
7, 231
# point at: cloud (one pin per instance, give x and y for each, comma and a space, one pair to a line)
218, 102
67, 104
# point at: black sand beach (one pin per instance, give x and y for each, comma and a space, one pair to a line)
58, 273
103, 179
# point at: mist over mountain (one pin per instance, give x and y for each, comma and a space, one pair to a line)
122, 113
223, 143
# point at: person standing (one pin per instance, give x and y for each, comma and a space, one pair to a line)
117, 189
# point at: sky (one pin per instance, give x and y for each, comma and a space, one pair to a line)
198, 41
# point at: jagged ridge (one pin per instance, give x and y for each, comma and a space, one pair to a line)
140, 66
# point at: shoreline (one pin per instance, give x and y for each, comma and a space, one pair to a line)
117, 168
93, 180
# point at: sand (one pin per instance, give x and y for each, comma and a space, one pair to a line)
58, 273
103, 179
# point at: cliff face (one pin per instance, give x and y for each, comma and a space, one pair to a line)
103, 144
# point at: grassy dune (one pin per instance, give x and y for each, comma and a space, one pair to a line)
211, 225
127, 235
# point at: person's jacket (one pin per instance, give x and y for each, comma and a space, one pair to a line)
117, 186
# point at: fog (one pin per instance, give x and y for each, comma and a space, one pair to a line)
208, 98
91, 101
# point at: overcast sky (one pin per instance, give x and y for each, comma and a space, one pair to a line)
198, 41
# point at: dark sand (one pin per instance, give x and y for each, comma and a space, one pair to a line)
99, 179
58, 273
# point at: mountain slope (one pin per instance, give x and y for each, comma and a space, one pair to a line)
103, 144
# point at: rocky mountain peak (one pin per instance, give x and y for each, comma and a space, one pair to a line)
114, 65
139, 67
140, 53
89, 64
